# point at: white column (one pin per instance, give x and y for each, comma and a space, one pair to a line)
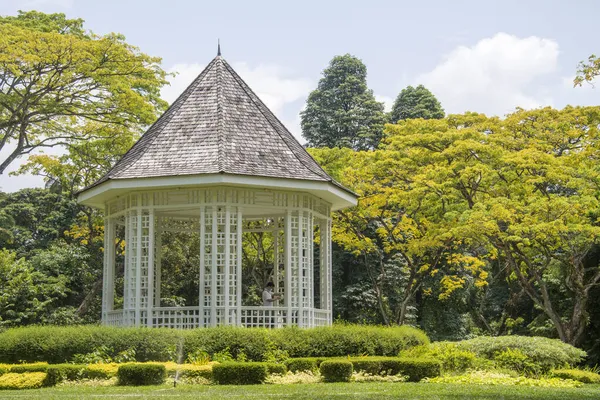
105, 273
276, 259
138, 268
329, 268
300, 265
151, 243
239, 267
288, 265
202, 289
213, 270
227, 254
311, 272
158, 262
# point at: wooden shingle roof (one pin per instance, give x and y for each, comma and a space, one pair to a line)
218, 125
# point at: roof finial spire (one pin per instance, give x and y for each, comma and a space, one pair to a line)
218, 47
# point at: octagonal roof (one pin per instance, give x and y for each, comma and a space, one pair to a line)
217, 127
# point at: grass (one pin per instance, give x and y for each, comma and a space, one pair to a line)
311, 391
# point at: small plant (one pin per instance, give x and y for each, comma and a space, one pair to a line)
124, 356
57, 373
516, 360
198, 357
294, 377
237, 373
497, 378
336, 370
362, 376
576, 375
222, 356
141, 374
99, 355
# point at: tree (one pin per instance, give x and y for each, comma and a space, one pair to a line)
416, 102
588, 70
524, 190
342, 111
63, 85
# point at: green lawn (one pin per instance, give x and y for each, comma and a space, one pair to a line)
312, 391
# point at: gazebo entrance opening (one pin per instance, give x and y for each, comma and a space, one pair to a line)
229, 242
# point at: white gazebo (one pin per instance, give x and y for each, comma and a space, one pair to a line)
218, 163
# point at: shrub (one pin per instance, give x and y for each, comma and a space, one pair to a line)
189, 370
452, 357
60, 372
303, 364
546, 353
141, 374
29, 380
23, 368
496, 378
273, 368
576, 375
4, 369
240, 373
102, 344
516, 360
100, 371
336, 370
414, 369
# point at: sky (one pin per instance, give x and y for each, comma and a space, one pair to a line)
484, 56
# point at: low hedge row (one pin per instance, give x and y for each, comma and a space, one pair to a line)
29, 380
336, 370
245, 373
138, 374
576, 375
60, 344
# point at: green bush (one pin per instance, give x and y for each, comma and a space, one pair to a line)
57, 373
23, 368
414, 368
546, 353
516, 360
141, 374
336, 370
61, 344
4, 369
240, 373
303, 364
273, 368
101, 371
452, 357
28, 380
576, 375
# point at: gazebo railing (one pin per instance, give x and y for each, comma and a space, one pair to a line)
250, 317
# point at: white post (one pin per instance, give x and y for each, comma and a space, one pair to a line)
226, 275
213, 270
329, 267
105, 273
288, 265
300, 265
202, 289
239, 267
151, 242
276, 260
138, 268
127, 271
311, 272
158, 262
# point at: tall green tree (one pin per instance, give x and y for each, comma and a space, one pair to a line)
342, 111
416, 102
588, 70
63, 85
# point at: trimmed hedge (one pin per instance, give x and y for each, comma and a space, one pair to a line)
137, 374
100, 371
576, 375
273, 368
240, 373
23, 368
59, 344
303, 364
57, 373
414, 368
336, 370
4, 369
28, 380
547, 354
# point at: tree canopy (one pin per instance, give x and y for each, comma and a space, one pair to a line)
63, 85
342, 111
416, 102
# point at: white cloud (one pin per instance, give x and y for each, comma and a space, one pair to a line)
273, 84
387, 101
495, 75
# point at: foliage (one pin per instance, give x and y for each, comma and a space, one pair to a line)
362, 376
588, 70
303, 364
336, 370
57, 373
516, 360
237, 373
450, 355
34, 367
545, 353
576, 375
138, 374
416, 102
496, 378
274, 368
62, 85
198, 357
26, 295
303, 377
30, 380
101, 371
342, 111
